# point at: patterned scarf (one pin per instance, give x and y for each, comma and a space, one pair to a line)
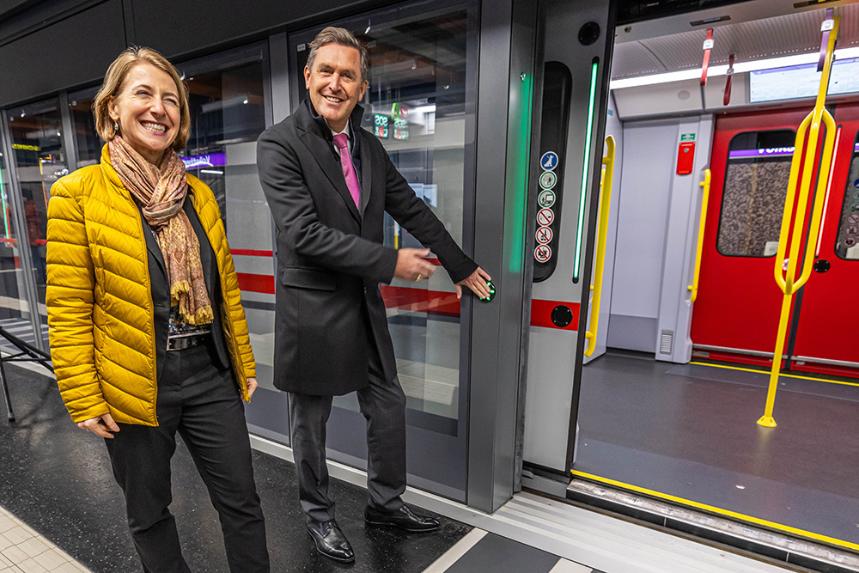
161, 190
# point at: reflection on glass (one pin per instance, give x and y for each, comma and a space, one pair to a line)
416, 105
847, 243
87, 142
227, 115
753, 198
40, 160
14, 309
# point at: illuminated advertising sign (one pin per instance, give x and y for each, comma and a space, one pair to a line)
203, 161
381, 127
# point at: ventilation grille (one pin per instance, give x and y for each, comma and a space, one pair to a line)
666, 341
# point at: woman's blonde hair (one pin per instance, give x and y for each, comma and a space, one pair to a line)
113, 80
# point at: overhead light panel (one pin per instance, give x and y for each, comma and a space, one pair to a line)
739, 68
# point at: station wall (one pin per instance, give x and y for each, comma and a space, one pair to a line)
65, 44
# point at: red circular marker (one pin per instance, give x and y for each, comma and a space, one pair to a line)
545, 217
543, 253
544, 235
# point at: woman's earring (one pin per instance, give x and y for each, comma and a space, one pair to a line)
115, 127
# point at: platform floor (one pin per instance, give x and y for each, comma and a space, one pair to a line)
63, 512
690, 431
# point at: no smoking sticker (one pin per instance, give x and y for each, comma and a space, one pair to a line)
543, 253
545, 217
546, 198
544, 235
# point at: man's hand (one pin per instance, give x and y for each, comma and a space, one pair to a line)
412, 265
252, 387
101, 426
476, 281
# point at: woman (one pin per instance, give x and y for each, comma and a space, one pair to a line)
147, 331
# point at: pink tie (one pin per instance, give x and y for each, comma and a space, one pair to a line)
341, 140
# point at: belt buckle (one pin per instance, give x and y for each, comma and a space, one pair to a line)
183, 341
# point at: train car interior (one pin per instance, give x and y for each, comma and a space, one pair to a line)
728, 228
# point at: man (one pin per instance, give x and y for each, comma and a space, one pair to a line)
328, 183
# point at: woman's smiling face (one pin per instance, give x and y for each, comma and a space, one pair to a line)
147, 109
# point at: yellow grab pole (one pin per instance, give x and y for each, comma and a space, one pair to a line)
602, 237
796, 208
702, 224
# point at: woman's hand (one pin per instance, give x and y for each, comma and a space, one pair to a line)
101, 426
252, 387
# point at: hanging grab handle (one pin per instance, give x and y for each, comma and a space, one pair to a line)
702, 224
602, 237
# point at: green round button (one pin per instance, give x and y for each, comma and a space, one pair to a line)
491, 296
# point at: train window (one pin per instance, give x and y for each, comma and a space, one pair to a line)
847, 240
753, 196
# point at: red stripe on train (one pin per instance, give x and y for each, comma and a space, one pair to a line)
541, 313
429, 301
252, 252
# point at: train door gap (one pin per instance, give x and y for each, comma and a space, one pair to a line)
644, 408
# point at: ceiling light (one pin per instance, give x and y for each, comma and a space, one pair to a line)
739, 68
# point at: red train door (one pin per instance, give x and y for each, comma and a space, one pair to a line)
827, 335
736, 314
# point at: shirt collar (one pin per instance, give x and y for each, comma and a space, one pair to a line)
347, 130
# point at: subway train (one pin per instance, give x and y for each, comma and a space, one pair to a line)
664, 193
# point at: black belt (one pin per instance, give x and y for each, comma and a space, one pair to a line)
183, 341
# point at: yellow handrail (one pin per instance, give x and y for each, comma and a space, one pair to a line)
796, 200
602, 237
702, 224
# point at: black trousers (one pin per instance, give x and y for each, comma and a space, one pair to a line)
202, 403
383, 404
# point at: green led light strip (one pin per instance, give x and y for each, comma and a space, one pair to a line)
3, 198
585, 169
518, 213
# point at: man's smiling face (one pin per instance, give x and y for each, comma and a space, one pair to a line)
335, 84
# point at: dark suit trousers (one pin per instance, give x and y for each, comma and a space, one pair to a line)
202, 403
383, 404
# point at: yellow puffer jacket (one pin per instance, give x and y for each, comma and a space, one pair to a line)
100, 309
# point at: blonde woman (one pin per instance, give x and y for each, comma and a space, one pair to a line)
147, 331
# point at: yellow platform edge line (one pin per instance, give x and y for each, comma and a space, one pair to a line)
783, 375
720, 511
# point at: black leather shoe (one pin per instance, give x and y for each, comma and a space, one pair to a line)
403, 518
330, 541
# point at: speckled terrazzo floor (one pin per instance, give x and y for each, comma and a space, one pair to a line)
58, 481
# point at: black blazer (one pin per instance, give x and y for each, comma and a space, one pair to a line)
161, 290
330, 254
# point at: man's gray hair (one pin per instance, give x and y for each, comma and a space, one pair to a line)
342, 36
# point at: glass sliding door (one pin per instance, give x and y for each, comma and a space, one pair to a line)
15, 308
420, 104
229, 110
37, 145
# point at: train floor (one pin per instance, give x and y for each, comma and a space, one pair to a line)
60, 510
690, 431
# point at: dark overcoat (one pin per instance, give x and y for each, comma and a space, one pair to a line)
330, 255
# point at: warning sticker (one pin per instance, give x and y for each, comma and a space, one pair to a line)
543, 253
546, 198
545, 217
544, 235
548, 179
